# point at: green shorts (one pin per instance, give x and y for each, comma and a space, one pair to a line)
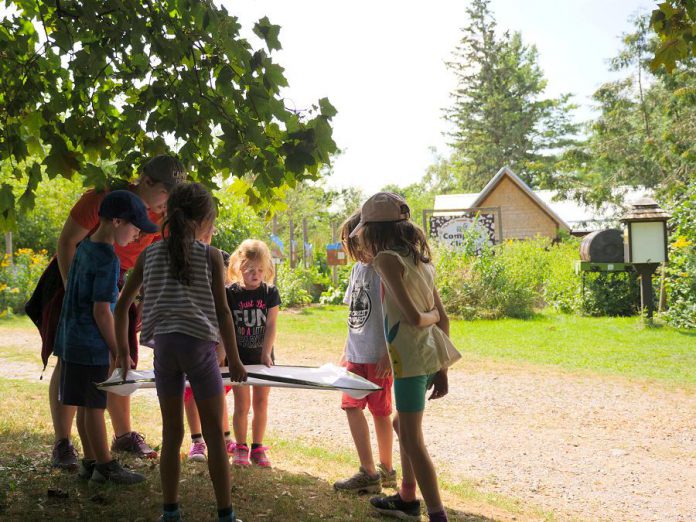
409, 392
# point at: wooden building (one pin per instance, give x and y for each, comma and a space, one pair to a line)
526, 213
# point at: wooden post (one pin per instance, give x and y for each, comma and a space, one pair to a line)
647, 295
305, 253
333, 240
292, 246
274, 231
8, 247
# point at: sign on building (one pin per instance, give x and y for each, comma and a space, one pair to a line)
452, 228
335, 255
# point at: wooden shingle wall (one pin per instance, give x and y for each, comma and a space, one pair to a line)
521, 216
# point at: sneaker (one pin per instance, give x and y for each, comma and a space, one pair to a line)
115, 473
133, 442
259, 457
393, 506
176, 517
64, 455
198, 452
241, 455
388, 477
86, 469
229, 446
361, 482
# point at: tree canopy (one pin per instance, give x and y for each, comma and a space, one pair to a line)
499, 111
92, 87
674, 21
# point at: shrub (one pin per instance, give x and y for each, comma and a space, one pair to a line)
300, 286
18, 280
681, 270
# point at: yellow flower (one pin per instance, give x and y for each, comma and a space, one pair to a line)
14, 290
2, 287
681, 242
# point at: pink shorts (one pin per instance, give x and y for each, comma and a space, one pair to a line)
188, 393
380, 402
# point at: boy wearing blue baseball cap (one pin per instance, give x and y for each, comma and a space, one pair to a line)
86, 339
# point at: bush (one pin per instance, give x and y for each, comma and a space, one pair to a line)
480, 287
681, 270
18, 280
613, 294
300, 286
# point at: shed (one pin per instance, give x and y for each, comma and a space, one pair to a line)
525, 213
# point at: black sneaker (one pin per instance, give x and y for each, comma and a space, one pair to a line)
393, 506
115, 473
64, 455
86, 469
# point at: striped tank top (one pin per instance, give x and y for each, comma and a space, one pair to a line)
172, 307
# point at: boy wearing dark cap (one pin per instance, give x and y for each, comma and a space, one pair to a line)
85, 335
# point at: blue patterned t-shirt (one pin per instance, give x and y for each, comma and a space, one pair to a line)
93, 278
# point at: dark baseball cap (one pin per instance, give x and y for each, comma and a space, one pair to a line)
165, 169
123, 204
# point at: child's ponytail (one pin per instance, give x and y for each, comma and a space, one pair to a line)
189, 205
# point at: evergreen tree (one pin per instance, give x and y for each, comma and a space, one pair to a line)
499, 112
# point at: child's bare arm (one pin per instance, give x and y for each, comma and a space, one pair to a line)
71, 234
443, 323
391, 272
269, 336
224, 317
101, 310
128, 293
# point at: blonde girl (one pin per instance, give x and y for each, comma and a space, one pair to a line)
254, 303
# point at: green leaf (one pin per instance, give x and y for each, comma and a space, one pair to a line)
269, 33
327, 110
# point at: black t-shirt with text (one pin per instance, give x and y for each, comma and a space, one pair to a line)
249, 312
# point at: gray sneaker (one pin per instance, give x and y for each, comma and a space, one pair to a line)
115, 473
86, 469
64, 455
361, 482
388, 477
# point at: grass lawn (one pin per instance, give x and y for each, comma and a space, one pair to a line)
607, 345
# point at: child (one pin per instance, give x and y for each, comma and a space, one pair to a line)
184, 315
254, 303
199, 450
159, 175
85, 336
416, 328
365, 354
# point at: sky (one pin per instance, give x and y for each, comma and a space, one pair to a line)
381, 63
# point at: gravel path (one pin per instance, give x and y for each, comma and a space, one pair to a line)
580, 446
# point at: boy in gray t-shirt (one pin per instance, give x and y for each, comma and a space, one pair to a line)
365, 354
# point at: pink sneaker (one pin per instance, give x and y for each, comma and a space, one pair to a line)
241, 455
229, 446
259, 457
198, 451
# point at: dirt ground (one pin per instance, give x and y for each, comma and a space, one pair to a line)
580, 446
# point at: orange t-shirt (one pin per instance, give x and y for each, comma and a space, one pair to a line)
86, 214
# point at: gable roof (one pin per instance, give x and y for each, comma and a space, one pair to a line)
575, 215
506, 172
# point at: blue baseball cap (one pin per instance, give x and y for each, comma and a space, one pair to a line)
123, 204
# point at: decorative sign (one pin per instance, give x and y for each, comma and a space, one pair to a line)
451, 230
335, 255
277, 248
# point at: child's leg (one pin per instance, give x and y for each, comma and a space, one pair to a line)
172, 408
211, 421
87, 451
240, 417
260, 418
95, 428
192, 417
62, 416
361, 437
408, 478
385, 439
413, 447
119, 409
